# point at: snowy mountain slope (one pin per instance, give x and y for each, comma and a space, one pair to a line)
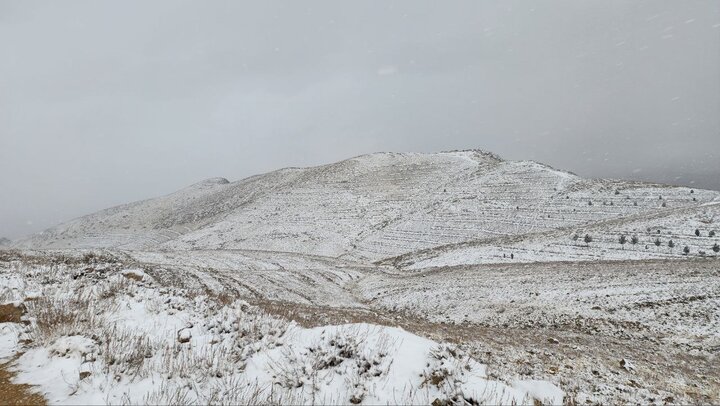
329, 210
150, 222
370, 208
655, 234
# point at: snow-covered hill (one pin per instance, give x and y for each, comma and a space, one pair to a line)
380, 206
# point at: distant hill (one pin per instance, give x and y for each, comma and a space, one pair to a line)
406, 208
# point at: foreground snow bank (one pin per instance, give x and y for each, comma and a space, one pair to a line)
371, 364
114, 337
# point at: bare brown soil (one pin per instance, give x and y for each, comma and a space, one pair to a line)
9, 313
14, 394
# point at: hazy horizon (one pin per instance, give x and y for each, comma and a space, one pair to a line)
107, 103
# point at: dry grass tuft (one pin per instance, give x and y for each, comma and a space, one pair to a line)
55, 318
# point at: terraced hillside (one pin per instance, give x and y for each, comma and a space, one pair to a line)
385, 205
682, 232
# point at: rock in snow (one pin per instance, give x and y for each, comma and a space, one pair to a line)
184, 335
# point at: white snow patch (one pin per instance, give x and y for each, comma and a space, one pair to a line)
543, 391
9, 337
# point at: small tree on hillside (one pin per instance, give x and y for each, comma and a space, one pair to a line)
697, 232
634, 240
686, 250
657, 242
716, 248
711, 233
623, 240
671, 244
587, 239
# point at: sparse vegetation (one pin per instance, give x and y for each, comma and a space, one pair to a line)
224, 309
102, 327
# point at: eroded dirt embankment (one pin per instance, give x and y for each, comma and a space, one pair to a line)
14, 394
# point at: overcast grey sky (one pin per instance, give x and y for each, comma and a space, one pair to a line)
106, 102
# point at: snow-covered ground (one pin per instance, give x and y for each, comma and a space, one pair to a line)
575, 326
101, 333
386, 278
